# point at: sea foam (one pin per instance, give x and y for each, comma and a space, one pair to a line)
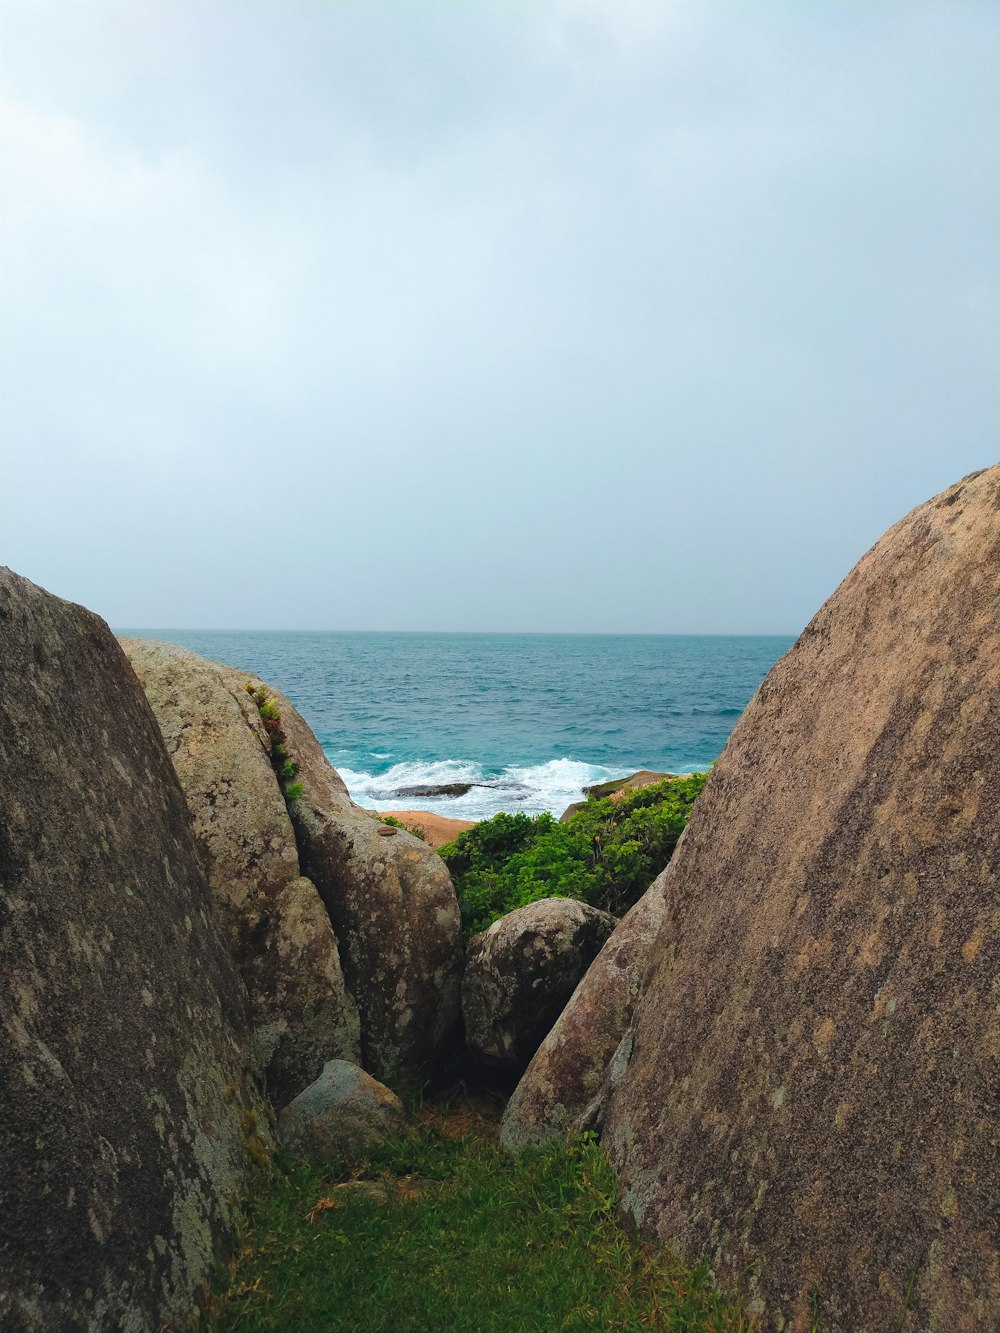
532, 788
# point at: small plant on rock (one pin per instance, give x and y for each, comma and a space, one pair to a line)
285, 767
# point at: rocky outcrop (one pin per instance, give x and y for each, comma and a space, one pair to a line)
571, 1075
129, 1106
436, 830
811, 1094
618, 788
272, 919
393, 909
222, 755
340, 1116
439, 789
520, 973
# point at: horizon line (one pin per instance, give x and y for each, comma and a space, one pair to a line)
536, 633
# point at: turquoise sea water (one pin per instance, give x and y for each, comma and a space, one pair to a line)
534, 716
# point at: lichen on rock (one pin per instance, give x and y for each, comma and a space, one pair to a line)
126, 1058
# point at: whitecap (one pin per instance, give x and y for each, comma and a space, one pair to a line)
532, 788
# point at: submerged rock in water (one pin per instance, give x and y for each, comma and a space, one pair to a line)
340, 1116
272, 919
521, 971
441, 789
809, 1096
130, 1106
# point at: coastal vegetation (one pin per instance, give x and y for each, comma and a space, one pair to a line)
440, 1230
285, 767
415, 829
605, 854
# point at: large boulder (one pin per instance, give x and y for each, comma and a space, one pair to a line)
271, 917
393, 907
567, 1082
811, 1094
340, 1116
222, 753
520, 973
129, 1104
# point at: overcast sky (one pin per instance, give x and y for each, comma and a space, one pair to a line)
544, 316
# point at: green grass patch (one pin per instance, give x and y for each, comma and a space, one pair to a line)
606, 854
464, 1238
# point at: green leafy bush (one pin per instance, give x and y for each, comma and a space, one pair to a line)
606, 854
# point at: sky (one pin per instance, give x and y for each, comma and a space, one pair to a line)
588, 315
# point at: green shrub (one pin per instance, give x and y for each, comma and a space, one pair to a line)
606, 854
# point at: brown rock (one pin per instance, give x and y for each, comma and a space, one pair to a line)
394, 911
812, 1095
437, 830
520, 973
617, 788
126, 1064
566, 1085
273, 921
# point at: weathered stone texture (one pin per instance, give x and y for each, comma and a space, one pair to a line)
812, 1095
273, 920
222, 755
566, 1084
303, 1015
520, 973
394, 910
340, 1115
125, 1059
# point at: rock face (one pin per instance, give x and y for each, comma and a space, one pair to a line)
811, 1098
272, 919
125, 1061
567, 1083
395, 914
520, 973
340, 1116
302, 1011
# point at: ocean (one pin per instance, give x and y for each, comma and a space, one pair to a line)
532, 717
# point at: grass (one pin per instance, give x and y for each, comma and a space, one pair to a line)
464, 1238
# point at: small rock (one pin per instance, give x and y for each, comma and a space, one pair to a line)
340, 1116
